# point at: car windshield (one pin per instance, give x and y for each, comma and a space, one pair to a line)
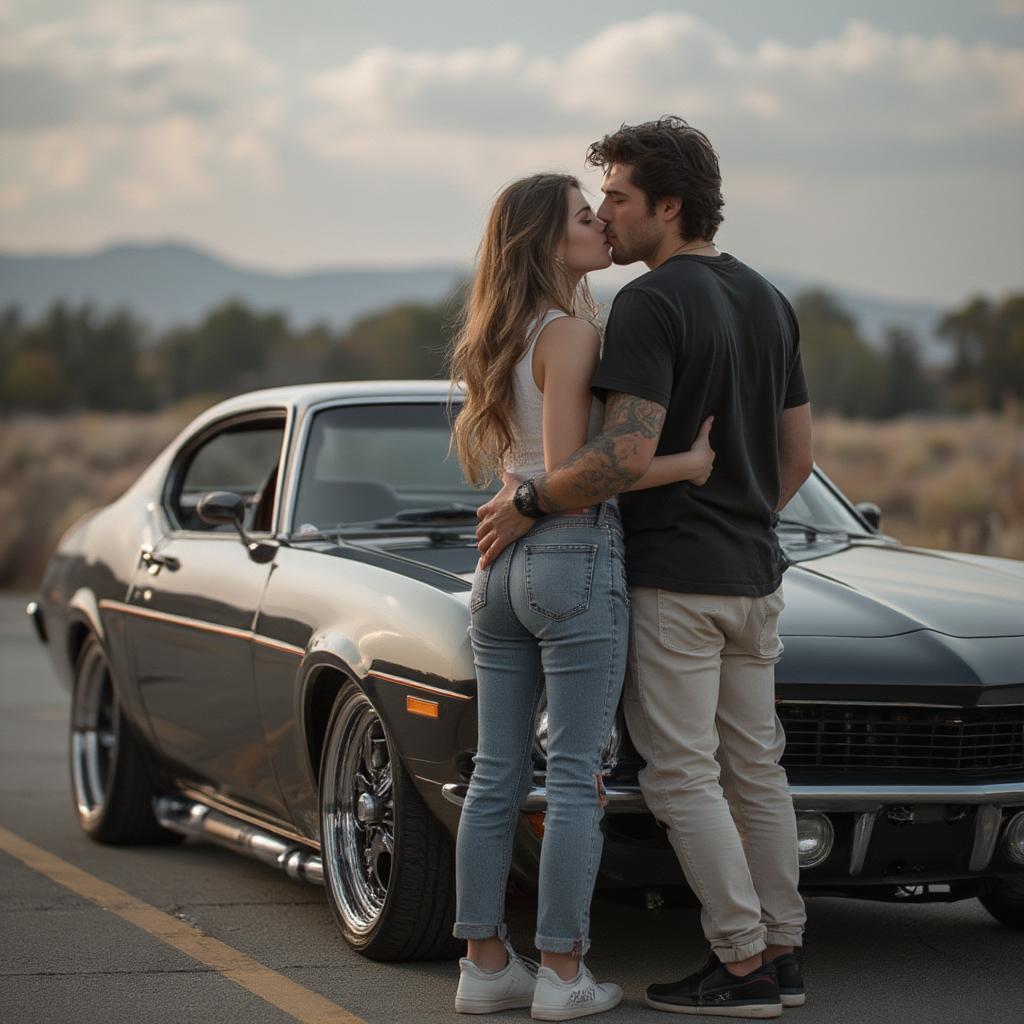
370, 463
389, 464
817, 506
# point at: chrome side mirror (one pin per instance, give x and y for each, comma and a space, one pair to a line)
219, 507
870, 513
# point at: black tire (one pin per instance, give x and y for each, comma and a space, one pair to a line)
389, 865
110, 783
1005, 901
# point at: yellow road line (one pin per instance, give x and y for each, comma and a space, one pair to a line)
273, 988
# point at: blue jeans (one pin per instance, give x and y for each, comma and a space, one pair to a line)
550, 613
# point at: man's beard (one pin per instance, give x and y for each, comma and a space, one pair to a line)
640, 248
621, 258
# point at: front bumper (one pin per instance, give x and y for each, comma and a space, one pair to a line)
865, 803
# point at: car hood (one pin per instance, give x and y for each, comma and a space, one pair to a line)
872, 590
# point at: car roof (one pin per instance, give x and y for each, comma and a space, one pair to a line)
302, 396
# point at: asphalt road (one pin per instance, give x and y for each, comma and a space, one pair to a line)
69, 957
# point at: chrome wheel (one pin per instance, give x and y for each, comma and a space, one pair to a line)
358, 814
389, 864
94, 732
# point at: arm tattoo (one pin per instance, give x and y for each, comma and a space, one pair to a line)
608, 464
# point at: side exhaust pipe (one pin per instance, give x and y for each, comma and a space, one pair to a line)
195, 819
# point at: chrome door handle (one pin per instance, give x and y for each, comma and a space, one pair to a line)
154, 562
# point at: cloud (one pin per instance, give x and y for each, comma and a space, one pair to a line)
157, 116
133, 59
493, 92
148, 100
34, 98
162, 98
863, 95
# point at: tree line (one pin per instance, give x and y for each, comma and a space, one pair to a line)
76, 358
849, 376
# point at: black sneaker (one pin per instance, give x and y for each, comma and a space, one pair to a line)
713, 991
791, 978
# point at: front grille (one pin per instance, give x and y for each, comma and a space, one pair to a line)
861, 740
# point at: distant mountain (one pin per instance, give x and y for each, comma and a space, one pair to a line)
167, 284
174, 284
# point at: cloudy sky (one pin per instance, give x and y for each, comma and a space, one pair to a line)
877, 145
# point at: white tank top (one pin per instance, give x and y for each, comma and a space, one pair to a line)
526, 457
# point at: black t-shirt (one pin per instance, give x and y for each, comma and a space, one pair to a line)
706, 335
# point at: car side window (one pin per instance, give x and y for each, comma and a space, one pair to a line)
369, 462
242, 458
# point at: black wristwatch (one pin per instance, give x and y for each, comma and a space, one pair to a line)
525, 500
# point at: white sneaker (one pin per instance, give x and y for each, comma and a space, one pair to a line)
554, 999
489, 991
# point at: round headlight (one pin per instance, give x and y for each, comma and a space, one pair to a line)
540, 731
610, 754
815, 837
1013, 838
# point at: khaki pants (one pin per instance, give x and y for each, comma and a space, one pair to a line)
700, 707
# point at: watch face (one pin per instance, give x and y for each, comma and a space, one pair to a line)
525, 501
521, 497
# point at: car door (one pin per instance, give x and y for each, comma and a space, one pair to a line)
194, 598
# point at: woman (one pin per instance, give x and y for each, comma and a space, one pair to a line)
551, 612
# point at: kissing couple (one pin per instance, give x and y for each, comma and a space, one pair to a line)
631, 554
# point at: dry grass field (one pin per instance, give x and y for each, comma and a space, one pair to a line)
941, 482
55, 469
950, 483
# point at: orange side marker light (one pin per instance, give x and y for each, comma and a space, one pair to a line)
424, 708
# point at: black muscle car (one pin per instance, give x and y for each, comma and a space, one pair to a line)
266, 643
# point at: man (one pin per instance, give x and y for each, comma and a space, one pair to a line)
699, 334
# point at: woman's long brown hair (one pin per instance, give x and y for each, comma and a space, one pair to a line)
517, 280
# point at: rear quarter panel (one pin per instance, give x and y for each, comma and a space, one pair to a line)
94, 562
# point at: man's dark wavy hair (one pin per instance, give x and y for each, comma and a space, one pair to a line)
669, 158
